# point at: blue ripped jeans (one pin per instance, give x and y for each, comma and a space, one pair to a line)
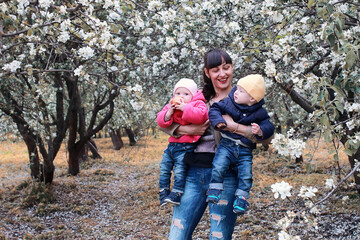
173, 158
230, 153
193, 203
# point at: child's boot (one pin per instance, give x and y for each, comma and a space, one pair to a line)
174, 198
162, 195
240, 205
213, 195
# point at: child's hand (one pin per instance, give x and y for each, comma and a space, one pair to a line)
255, 129
170, 112
180, 106
220, 125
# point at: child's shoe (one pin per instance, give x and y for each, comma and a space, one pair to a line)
162, 195
240, 205
213, 195
174, 198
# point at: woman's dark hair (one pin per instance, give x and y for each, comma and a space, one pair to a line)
213, 58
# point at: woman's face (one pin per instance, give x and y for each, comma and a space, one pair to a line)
221, 76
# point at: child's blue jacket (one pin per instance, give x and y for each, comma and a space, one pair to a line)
242, 114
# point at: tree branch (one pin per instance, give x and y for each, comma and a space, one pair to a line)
333, 190
295, 96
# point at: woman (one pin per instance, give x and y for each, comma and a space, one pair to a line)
218, 73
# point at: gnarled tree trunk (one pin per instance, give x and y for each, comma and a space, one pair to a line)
116, 138
93, 149
131, 136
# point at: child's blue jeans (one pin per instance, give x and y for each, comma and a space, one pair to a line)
229, 154
173, 158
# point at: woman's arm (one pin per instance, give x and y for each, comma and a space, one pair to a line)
238, 128
177, 130
192, 129
243, 130
171, 130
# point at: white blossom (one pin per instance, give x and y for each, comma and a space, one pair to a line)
84, 2
352, 107
270, 69
153, 5
108, 4
329, 183
63, 37
277, 17
13, 66
307, 192
351, 124
285, 236
287, 146
22, 5
65, 24
62, 9
165, 57
206, 5
114, 68
79, 71
137, 106
285, 222
170, 42
3, 7
281, 189
46, 3
269, 3
343, 8
86, 52
309, 38
114, 15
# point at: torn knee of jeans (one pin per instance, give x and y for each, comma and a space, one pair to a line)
217, 234
177, 223
217, 218
223, 202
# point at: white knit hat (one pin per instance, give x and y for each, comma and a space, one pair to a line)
188, 84
254, 85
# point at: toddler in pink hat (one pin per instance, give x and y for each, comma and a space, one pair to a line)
187, 106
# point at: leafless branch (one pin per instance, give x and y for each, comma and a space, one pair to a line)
333, 190
25, 30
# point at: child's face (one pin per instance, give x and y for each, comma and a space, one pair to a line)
242, 97
184, 93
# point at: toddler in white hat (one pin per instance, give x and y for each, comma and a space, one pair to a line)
187, 106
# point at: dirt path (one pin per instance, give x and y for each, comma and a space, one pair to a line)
112, 201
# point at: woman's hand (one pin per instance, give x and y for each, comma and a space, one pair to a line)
193, 129
238, 128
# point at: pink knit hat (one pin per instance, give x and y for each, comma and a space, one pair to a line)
188, 84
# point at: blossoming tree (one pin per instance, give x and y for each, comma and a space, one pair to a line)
308, 51
63, 63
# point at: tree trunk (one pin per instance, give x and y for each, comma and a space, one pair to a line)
94, 150
84, 157
74, 165
352, 161
33, 158
73, 118
116, 139
48, 171
131, 136
356, 173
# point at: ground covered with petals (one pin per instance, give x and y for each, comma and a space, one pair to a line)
116, 197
